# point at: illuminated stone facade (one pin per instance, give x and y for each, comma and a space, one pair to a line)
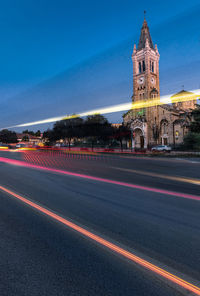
166, 124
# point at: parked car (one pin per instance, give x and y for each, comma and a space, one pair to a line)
19, 145
161, 148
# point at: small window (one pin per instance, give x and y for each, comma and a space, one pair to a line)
140, 67
164, 128
143, 66
152, 67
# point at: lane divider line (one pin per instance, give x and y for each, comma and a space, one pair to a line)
99, 179
152, 174
144, 263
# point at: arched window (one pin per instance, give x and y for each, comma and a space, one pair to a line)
152, 67
140, 67
164, 128
143, 66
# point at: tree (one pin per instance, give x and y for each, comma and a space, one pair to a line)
7, 136
25, 138
66, 130
192, 139
97, 127
38, 133
122, 133
28, 132
49, 137
195, 125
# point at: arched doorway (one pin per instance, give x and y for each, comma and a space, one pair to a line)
139, 138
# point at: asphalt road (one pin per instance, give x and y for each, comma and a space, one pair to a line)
40, 256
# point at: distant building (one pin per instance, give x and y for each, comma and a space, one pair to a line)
165, 124
29, 139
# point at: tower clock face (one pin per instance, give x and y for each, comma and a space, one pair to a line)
141, 80
153, 80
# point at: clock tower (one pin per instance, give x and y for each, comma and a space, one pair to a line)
145, 59
145, 67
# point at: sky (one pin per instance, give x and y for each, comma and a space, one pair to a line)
59, 57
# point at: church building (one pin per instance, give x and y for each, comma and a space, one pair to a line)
161, 124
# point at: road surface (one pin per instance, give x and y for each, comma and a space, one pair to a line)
41, 256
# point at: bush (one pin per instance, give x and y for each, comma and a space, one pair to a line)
192, 141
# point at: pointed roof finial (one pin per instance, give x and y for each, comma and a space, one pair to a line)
145, 22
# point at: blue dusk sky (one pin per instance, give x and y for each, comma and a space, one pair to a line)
60, 57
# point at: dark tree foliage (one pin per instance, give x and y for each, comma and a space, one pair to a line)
97, 128
65, 130
8, 137
28, 132
195, 125
25, 138
49, 136
121, 133
94, 128
37, 134
192, 139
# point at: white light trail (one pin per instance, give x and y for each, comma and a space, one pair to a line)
168, 99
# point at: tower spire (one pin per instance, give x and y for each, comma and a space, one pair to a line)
145, 34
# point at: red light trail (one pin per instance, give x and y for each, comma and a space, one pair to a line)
99, 179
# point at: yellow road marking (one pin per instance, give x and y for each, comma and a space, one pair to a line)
151, 174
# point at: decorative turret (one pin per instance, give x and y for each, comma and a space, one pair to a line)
134, 49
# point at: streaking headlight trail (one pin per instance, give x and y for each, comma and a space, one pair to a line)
168, 99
